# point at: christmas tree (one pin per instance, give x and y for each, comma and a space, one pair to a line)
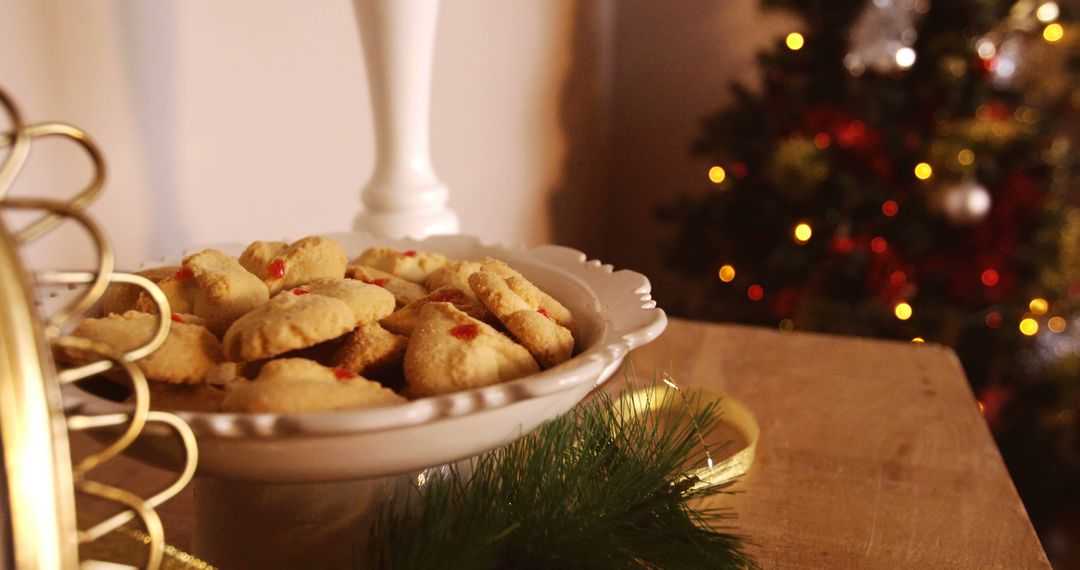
906, 171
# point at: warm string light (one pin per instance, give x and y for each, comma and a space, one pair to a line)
905, 57
795, 41
1047, 12
923, 171
1053, 33
802, 233
903, 311
727, 273
1038, 306
1029, 326
918, 340
965, 157
717, 174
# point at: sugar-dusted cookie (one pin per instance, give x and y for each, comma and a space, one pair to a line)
283, 266
404, 320
371, 350
549, 342
292, 385
411, 265
455, 274
532, 295
287, 322
120, 298
369, 303
188, 353
450, 351
404, 291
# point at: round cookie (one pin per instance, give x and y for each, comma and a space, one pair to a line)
187, 354
284, 266
369, 303
404, 291
287, 322
451, 351
549, 342
371, 349
411, 265
294, 385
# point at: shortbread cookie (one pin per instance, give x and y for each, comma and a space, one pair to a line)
404, 291
411, 265
404, 320
120, 298
283, 266
549, 342
187, 397
178, 288
532, 295
287, 322
450, 351
188, 353
293, 385
455, 274
371, 350
369, 303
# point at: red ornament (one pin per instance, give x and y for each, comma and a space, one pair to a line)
183, 273
990, 277
755, 292
467, 331
276, 269
879, 245
890, 208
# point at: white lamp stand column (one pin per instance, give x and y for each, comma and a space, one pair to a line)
404, 196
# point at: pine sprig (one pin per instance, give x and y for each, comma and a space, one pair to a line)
607, 485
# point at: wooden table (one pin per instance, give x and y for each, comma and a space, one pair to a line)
872, 454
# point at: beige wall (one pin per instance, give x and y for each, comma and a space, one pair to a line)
249, 119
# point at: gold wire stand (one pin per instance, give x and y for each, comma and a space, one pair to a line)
39, 478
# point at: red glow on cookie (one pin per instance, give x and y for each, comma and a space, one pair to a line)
299, 291
466, 331
342, 374
377, 282
409, 253
177, 318
276, 269
544, 312
183, 273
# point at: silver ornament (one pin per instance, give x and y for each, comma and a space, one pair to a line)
882, 37
965, 202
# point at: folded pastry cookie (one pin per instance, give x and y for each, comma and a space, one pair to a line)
369, 303
188, 353
292, 385
451, 351
411, 265
371, 350
283, 266
287, 322
530, 293
404, 291
404, 320
548, 341
122, 297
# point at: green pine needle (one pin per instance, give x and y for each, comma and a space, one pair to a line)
604, 486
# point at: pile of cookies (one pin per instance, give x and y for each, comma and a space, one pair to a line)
298, 327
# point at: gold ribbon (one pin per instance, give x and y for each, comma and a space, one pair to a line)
728, 411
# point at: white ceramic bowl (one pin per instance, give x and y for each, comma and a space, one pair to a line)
613, 311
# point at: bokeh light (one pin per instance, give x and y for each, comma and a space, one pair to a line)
1053, 33
1038, 306
990, 277
727, 273
795, 41
965, 157
890, 208
1047, 12
755, 292
923, 171
1056, 324
802, 233
717, 174
1029, 326
903, 311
